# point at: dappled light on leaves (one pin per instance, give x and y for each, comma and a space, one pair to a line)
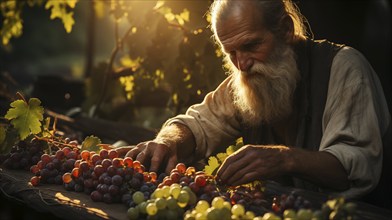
26, 117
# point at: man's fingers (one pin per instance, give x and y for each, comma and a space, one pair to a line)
122, 151
133, 153
171, 163
247, 178
231, 166
158, 157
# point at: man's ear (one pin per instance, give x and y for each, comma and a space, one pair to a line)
288, 26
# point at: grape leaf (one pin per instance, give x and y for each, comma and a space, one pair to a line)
221, 157
2, 134
212, 167
26, 117
91, 143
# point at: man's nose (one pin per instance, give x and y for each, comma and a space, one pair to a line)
244, 61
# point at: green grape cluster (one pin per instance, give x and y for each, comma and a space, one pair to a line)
167, 202
219, 208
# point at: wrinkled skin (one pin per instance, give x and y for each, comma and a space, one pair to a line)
252, 163
153, 153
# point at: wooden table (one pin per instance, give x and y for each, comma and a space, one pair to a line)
73, 205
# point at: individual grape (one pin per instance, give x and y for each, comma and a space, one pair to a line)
128, 162
202, 206
107, 198
75, 172
153, 176
175, 190
106, 163
181, 168
113, 154
72, 155
135, 183
34, 169
138, 197
133, 213
171, 203
304, 214
118, 162
67, 177
60, 154
289, 213
111, 170
95, 158
85, 155
99, 170
183, 198
161, 203
151, 209
117, 180
195, 188
114, 190
167, 181
175, 177
104, 154
45, 158
190, 171
200, 180
238, 210
136, 164
96, 196
166, 191
35, 180
217, 202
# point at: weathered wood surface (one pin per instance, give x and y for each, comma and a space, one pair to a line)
74, 205
56, 200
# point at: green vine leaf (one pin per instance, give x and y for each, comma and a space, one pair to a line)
221, 157
26, 117
91, 143
212, 167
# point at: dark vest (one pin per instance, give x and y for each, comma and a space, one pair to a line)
303, 128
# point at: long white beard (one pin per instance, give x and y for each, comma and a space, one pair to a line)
264, 94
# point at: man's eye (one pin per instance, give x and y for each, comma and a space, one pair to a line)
251, 46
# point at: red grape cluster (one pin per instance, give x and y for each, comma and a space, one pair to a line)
23, 154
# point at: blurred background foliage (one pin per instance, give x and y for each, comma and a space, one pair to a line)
159, 57
142, 61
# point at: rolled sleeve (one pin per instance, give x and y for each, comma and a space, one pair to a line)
355, 118
212, 122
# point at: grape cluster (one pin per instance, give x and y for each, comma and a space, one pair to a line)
23, 154
168, 202
219, 208
183, 193
290, 201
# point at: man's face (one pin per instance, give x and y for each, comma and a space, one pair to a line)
264, 69
244, 39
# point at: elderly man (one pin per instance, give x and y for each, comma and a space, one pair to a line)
312, 113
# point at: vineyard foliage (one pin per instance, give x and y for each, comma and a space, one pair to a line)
164, 46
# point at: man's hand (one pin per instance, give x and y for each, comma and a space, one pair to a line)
251, 163
261, 162
155, 153
162, 151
